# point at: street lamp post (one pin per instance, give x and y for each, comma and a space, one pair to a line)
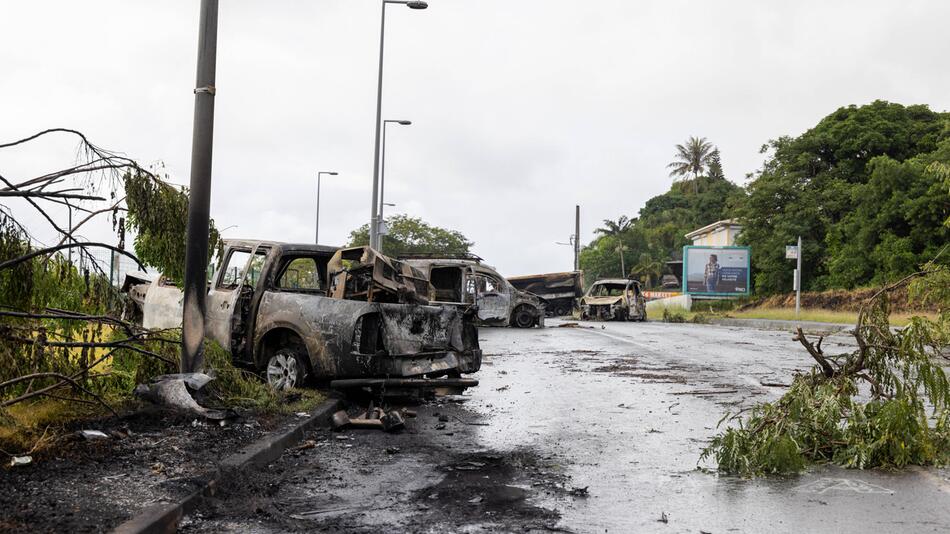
382, 177
374, 213
316, 236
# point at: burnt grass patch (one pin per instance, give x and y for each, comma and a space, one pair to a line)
83, 485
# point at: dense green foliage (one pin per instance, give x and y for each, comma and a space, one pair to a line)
861, 191
884, 404
658, 234
413, 235
42, 284
158, 214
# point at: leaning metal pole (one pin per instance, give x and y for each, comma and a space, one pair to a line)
199, 199
374, 214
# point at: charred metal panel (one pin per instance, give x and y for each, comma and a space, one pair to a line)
361, 273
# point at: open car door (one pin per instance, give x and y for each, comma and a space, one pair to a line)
229, 299
492, 301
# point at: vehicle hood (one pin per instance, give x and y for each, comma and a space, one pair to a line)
601, 301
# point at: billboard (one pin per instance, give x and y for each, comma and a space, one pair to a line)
716, 271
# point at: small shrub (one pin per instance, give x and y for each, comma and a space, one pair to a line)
673, 316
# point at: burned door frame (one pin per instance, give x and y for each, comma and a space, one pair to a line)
223, 314
500, 294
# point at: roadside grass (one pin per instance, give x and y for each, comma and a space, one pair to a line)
821, 315
32, 426
704, 311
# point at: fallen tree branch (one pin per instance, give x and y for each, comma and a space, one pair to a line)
61, 377
40, 252
826, 367
54, 194
127, 327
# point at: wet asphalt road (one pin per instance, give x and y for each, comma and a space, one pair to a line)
621, 409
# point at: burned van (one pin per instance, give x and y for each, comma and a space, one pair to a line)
464, 281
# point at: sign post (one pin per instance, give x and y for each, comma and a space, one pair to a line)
794, 252
798, 279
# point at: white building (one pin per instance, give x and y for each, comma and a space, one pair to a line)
718, 234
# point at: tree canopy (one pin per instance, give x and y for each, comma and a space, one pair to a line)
859, 189
413, 235
657, 235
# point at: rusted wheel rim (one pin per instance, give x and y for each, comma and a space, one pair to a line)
282, 371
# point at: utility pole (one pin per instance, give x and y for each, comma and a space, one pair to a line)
577, 238
199, 199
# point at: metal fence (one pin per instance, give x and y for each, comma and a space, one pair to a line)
113, 264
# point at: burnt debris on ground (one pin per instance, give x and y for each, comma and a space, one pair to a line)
92, 485
432, 476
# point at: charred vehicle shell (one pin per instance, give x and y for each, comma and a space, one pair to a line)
308, 311
463, 281
619, 299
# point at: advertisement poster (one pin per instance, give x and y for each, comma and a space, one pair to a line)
722, 271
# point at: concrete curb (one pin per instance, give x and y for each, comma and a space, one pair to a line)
773, 324
164, 517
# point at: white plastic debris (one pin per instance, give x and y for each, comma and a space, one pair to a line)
94, 434
17, 461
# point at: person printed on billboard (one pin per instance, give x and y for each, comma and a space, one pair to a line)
712, 274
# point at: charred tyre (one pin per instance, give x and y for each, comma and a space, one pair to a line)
524, 317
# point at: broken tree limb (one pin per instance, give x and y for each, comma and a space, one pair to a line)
128, 327
26, 257
826, 367
61, 377
44, 194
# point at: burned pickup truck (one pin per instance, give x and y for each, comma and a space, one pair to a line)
463, 281
615, 299
307, 311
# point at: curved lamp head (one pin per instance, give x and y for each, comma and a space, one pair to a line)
417, 5
405, 123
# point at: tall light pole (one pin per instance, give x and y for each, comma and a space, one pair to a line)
316, 236
577, 238
382, 176
374, 213
199, 198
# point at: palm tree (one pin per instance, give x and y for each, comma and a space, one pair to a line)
691, 158
650, 269
616, 229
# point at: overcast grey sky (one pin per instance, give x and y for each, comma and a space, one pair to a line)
520, 108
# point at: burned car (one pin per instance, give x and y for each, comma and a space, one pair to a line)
616, 299
464, 281
307, 311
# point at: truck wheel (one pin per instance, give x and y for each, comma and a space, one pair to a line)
523, 317
286, 369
